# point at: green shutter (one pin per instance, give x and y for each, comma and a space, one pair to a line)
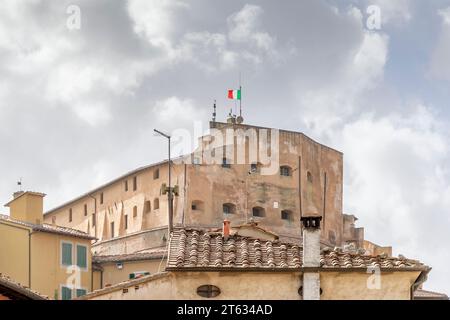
66, 293
81, 257
67, 254
80, 292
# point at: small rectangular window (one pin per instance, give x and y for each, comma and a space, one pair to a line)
225, 163
81, 292
112, 229
156, 174
70, 215
66, 293
101, 198
126, 185
85, 210
134, 183
93, 219
66, 254
82, 256
126, 221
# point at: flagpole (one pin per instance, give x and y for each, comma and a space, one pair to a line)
240, 100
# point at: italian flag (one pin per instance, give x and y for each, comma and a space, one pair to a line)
234, 94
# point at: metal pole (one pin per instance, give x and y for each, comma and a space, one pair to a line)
170, 194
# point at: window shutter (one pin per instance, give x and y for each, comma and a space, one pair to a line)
67, 254
81, 256
66, 293
80, 292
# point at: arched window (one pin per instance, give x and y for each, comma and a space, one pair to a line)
285, 171
258, 212
148, 206
197, 205
287, 215
156, 204
309, 177
229, 208
134, 211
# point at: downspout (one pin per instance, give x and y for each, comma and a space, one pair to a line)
29, 259
423, 276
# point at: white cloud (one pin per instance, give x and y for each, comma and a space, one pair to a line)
440, 63
396, 181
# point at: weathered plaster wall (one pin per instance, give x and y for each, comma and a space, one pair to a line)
256, 286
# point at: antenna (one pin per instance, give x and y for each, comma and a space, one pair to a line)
19, 183
214, 112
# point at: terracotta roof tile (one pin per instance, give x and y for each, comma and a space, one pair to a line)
128, 257
202, 249
421, 294
48, 228
8, 285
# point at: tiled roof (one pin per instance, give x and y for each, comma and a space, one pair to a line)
192, 249
129, 257
48, 228
124, 284
421, 294
15, 290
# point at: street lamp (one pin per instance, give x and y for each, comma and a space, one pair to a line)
169, 194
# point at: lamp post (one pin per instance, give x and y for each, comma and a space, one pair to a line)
169, 194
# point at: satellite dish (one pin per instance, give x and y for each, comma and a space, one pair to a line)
239, 119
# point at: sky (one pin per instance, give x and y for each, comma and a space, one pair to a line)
83, 84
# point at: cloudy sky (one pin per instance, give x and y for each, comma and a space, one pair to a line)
78, 105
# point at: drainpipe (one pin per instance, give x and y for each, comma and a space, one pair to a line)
423, 276
311, 257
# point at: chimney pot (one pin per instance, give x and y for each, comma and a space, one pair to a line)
226, 229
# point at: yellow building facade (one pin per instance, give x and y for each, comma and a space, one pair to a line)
52, 260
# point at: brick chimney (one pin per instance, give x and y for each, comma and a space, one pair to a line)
311, 257
226, 229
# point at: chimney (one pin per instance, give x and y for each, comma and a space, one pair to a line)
311, 257
226, 229
27, 206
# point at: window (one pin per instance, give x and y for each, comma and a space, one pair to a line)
156, 174
66, 293
134, 183
148, 206
126, 185
93, 219
258, 212
254, 168
208, 291
81, 256
134, 211
70, 215
332, 237
228, 208
66, 253
80, 292
197, 205
156, 204
101, 198
126, 221
85, 210
54, 220
309, 177
225, 163
286, 215
285, 171
112, 229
